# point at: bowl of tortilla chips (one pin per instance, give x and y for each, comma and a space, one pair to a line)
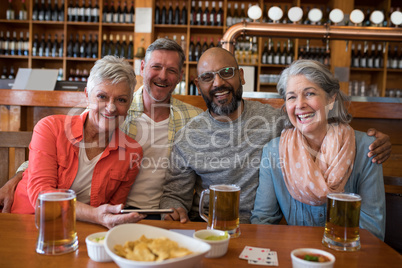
137, 245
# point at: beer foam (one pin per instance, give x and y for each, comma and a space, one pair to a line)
56, 196
225, 187
345, 197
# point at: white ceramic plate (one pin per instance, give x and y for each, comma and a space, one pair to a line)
133, 231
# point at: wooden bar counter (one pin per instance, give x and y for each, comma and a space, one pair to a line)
18, 241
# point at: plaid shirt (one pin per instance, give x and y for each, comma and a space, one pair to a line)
180, 114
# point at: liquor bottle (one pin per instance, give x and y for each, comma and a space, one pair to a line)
364, 56
117, 46
111, 45
35, 45
23, 14
163, 19
212, 15
10, 13
95, 12
61, 46
42, 46
193, 14
183, 18
105, 46
170, 14
88, 12
116, 14
130, 48
76, 47
55, 12
13, 44
264, 56
105, 12
157, 13
35, 11
191, 50
81, 11
205, 15
41, 13
60, 14
183, 44
88, 47
123, 13
198, 17
54, 49
20, 45
371, 57
94, 51
70, 46
211, 44
111, 13
176, 16
197, 50
219, 15
123, 49
229, 17
277, 55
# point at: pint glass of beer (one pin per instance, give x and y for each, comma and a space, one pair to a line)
223, 213
342, 223
55, 219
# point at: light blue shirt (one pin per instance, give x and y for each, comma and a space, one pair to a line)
273, 199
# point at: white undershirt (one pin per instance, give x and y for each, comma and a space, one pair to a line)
82, 182
153, 137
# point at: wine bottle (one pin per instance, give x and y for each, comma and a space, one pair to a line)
23, 14
183, 18
76, 47
12, 74
327, 60
20, 45
42, 46
70, 16
112, 11
271, 52
95, 12
60, 14
123, 47
205, 15
264, 57
4, 74
394, 58
289, 54
204, 46
105, 12
54, 47
371, 56
183, 44
364, 56
163, 14
35, 45
83, 45
70, 46
229, 17
35, 11
13, 44
41, 13
212, 15
277, 53
81, 11
88, 12
61, 46
157, 13
130, 47
211, 44
75, 11
117, 46
95, 47
285, 15
118, 15
125, 15
197, 50
2, 42
243, 15
48, 11
176, 19
191, 50
170, 14
60, 75
219, 15
378, 57
193, 14
111, 45
105, 46
198, 17
192, 89
88, 47
55, 12
132, 13
10, 13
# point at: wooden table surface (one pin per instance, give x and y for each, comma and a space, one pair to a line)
18, 236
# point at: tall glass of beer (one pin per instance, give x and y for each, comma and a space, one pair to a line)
55, 219
223, 213
342, 222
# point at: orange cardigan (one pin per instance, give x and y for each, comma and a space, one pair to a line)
53, 163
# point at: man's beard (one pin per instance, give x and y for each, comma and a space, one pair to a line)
224, 109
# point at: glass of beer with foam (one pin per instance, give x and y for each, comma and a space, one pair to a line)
55, 219
342, 222
224, 201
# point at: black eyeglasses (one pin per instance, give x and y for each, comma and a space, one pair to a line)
224, 73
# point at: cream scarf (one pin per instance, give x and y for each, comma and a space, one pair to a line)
308, 180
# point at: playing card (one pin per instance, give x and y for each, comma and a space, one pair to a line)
270, 260
253, 253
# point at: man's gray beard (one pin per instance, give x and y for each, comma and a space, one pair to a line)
225, 110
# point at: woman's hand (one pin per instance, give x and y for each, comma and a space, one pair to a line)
106, 215
380, 148
7, 192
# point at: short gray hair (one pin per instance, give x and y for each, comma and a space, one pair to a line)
114, 70
165, 44
319, 74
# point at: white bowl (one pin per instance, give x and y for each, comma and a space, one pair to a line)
299, 263
218, 247
96, 250
133, 231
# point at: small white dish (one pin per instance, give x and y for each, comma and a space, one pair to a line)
96, 247
300, 263
218, 247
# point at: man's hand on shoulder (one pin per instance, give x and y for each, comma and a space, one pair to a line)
7, 192
380, 148
179, 214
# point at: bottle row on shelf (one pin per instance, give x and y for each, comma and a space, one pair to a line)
8, 75
83, 13
11, 46
111, 14
48, 47
116, 47
11, 13
48, 12
84, 48
363, 57
196, 48
76, 75
168, 16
